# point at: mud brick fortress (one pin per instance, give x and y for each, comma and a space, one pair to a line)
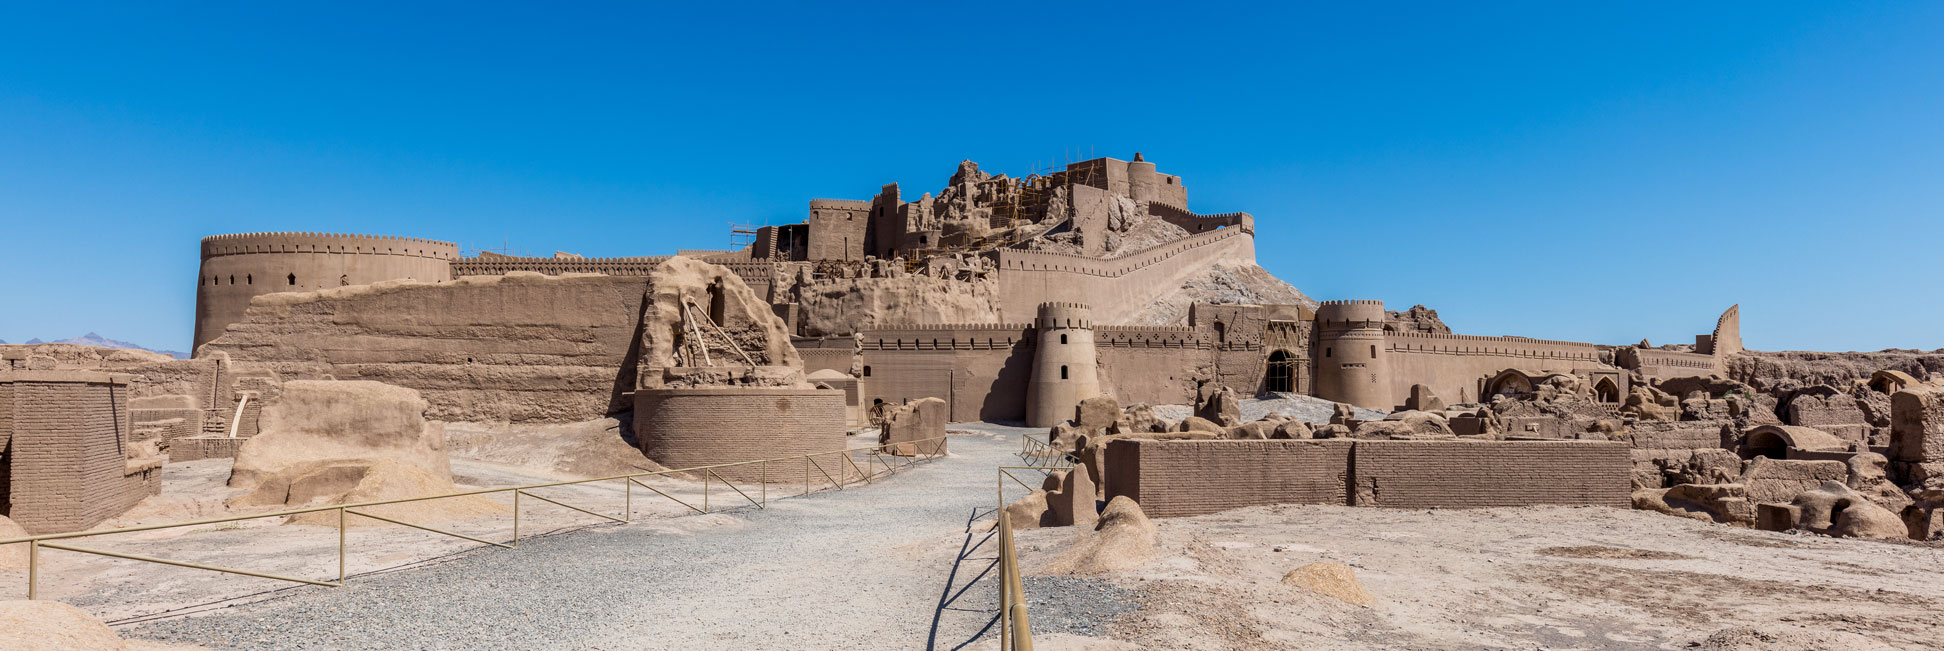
1009, 299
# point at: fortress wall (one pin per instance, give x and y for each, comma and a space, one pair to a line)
1664, 364
759, 275
1172, 479
685, 428
1455, 366
1194, 223
1467, 474
1115, 287
522, 347
236, 268
981, 371
1185, 478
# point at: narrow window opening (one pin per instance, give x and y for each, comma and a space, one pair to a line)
1063, 339
1063, 372
293, 279
1373, 350
1326, 352
232, 279
249, 279
867, 371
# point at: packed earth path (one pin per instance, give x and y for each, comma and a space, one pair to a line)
898, 563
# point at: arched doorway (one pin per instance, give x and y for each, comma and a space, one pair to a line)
1508, 383
1606, 390
1281, 374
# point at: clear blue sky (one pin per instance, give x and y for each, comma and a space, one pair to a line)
1551, 170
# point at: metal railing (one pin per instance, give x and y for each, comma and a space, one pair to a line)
1043, 455
868, 473
1015, 630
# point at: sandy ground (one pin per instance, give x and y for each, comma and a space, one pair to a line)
1528, 578
123, 592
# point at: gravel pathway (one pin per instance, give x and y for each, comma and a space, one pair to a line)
889, 565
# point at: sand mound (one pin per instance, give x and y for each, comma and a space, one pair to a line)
1028, 511
329, 442
1123, 540
12, 557
1334, 580
55, 626
1751, 639
594, 448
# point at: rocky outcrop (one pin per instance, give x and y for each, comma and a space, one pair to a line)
1417, 319
841, 306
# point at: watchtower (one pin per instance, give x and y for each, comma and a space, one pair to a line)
1063, 364
239, 267
1350, 362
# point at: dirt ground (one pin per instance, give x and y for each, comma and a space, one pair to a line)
123, 592
1527, 578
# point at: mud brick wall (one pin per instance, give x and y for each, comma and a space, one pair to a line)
204, 447
68, 463
685, 428
1465, 474
1183, 478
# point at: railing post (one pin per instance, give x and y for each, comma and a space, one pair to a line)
516, 517
806, 474
764, 477
705, 491
33, 567
340, 545
627, 504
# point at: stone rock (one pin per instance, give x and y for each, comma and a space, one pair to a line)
1258, 430
1405, 425
12, 557
1868, 476
1836, 510
1924, 517
1292, 429
1334, 580
1722, 503
340, 442
1647, 403
1199, 424
1073, 503
1027, 512
1139, 418
1221, 408
1422, 399
921, 419
1064, 436
1123, 539
53, 626
1097, 413
1917, 426
1778, 481
1345, 415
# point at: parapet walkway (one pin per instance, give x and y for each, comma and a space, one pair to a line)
861, 568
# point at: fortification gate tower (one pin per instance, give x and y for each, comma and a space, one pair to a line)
236, 268
1063, 364
1350, 361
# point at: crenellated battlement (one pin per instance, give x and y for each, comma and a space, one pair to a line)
840, 204
307, 242
1014, 327
1352, 302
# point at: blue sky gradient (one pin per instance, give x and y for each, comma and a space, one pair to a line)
1593, 173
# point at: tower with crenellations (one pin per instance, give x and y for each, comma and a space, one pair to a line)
1064, 371
1349, 358
239, 267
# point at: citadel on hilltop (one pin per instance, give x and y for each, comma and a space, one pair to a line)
939, 297
1005, 299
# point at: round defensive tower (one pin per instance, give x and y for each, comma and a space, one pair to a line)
1142, 179
1350, 361
237, 268
1063, 364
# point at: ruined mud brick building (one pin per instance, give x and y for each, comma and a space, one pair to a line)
68, 458
942, 296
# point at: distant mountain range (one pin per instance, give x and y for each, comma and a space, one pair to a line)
92, 339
